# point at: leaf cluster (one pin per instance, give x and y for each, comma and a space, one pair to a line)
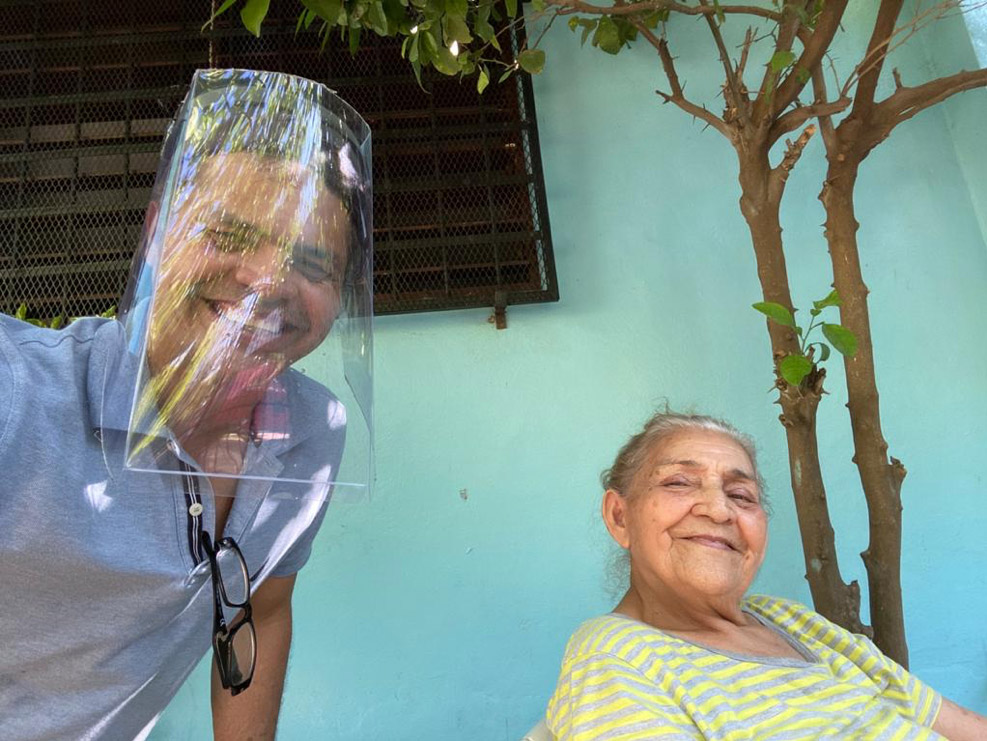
56, 322
794, 367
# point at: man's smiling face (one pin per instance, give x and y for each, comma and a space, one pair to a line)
251, 274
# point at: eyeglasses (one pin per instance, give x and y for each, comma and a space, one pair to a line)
234, 645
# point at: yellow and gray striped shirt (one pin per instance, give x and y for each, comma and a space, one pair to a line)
623, 679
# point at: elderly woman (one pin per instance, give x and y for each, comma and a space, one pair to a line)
686, 655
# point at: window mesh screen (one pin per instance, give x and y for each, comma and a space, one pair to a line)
87, 89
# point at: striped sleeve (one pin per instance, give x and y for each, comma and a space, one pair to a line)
601, 697
912, 695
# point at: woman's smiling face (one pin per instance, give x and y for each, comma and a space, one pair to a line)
693, 521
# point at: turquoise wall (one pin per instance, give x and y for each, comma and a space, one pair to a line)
440, 609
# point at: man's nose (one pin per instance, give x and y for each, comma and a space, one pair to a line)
263, 269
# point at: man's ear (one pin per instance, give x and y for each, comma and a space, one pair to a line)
614, 511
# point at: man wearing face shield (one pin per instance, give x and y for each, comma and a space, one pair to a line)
167, 473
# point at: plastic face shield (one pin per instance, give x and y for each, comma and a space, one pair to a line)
249, 308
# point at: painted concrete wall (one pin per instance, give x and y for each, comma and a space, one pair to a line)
440, 609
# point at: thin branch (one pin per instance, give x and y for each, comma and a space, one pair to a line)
897, 79
737, 96
676, 95
579, 6
745, 50
798, 116
544, 30
822, 36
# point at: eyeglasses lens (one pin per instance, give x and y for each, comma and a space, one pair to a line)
242, 648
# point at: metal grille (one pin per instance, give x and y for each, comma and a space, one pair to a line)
87, 89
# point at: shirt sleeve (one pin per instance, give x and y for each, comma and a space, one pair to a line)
915, 698
600, 696
301, 550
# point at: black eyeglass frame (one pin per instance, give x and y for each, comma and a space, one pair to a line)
223, 634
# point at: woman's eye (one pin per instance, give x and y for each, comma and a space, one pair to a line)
676, 483
743, 496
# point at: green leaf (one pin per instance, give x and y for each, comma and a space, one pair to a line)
511, 6
482, 80
538, 5
57, 322
253, 14
21, 312
35, 322
354, 40
794, 368
573, 24
327, 10
781, 60
802, 75
454, 29
588, 25
823, 351
721, 17
815, 312
842, 339
532, 61
227, 4
508, 73
110, 313
833, 299
777, 312
377, 18
607, 37
457, 8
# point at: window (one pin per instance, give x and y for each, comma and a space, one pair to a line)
87, 89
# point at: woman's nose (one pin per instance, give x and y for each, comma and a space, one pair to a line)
713, 503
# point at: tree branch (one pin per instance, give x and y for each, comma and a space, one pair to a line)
788, 31
736, 95
873, 61
907, 101
826, 128
579, 6
744, 52
676, 95
798, 116
793, 152
815, 47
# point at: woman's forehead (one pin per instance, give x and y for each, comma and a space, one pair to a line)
699, 447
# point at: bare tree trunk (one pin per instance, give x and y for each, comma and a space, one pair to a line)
881, 478
760, 204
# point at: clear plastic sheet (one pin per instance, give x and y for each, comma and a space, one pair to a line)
249, 309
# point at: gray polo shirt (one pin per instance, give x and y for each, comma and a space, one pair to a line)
105, 598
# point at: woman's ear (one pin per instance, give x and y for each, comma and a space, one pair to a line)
614, 510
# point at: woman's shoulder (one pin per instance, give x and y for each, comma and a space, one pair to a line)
613, 635
801, 621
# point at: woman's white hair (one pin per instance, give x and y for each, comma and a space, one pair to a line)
659, 428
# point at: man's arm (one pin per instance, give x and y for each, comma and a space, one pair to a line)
959, 724
253, 714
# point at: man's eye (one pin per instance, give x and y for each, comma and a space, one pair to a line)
226, 241
313, 271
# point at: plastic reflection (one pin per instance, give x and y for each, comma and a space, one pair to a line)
250, 307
